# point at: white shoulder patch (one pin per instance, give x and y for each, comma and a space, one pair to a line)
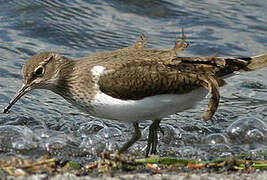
97, 70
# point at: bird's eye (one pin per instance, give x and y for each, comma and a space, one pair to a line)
39, 71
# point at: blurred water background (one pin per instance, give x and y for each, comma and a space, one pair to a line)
44, 123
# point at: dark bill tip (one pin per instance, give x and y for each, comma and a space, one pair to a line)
23, 90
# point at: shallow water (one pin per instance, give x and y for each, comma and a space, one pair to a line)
42, 122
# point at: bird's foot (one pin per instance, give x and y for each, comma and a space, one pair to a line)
152, 141
135, 137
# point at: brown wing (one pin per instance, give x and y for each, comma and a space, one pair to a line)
137, 80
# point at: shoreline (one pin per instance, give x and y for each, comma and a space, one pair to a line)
258, 175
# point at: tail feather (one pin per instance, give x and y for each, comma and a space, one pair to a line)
257, 62
241, 64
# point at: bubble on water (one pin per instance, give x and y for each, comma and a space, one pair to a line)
190, 138
111, 146
91, 127
138, 148
109, 132
255, 135
220, 150
192, 153
96, 144
167, 134
55, 140
247, 130
197, 128
170, 134
259, 152
93, 144
17, 137
215, 138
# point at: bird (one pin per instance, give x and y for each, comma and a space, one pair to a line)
135, 83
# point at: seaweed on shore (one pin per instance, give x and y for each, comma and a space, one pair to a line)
109, 163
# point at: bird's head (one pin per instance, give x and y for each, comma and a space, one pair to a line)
39, 72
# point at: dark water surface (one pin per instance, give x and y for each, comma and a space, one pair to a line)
43, 122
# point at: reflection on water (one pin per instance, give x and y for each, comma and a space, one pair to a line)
42, 122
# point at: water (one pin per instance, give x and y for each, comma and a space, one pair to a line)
42, 122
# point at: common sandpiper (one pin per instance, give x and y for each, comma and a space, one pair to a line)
134, 83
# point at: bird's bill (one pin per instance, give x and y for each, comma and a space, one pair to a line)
23, 90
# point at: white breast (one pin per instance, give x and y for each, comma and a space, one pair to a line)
149, 108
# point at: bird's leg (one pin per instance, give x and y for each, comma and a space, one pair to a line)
153, 137
211, 84
135, 137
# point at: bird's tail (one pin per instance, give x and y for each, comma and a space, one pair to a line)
257, 62
241, 64
232, 64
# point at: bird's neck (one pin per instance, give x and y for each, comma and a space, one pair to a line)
63, 76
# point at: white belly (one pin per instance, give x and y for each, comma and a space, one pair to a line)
150, 108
